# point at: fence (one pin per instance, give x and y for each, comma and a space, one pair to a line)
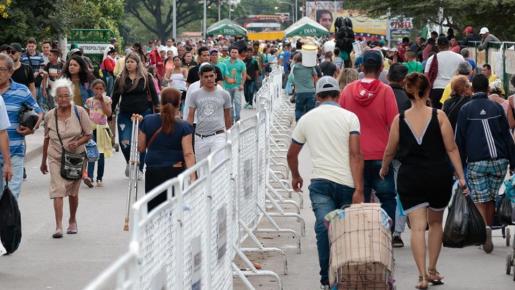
501, 56
192, 240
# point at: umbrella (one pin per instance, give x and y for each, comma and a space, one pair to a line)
306, 27
226, 27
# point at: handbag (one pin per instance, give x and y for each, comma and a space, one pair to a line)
71, 163
10, 222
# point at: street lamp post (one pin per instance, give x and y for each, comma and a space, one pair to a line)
204, 22
174, 28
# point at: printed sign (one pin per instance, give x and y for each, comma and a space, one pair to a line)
93, 48
400, 27
196, 257
247, 177
221, 238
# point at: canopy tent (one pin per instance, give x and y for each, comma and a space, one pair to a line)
226, 27
306, 27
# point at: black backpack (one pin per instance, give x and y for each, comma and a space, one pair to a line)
10, 221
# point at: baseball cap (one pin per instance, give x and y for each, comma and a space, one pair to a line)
75, 51
372, 58
483, 30
16, 46
327, 84
213, 50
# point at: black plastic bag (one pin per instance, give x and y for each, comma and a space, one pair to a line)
464, 225
504, 211
10, 221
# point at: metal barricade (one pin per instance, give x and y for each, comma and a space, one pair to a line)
191, 240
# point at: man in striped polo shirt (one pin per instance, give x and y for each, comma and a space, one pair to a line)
15, 96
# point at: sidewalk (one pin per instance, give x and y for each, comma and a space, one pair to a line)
34, 144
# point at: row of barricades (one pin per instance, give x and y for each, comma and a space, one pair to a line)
200, 236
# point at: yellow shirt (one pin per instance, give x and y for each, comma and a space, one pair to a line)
492, 78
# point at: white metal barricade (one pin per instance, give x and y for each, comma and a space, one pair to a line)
191, 240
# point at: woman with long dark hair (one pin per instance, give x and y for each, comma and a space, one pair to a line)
167, 141
423, 141
134, 90
77, 71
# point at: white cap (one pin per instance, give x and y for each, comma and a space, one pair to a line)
483, 30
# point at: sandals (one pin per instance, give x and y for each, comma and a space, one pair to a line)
88, 182
72, 229
434, 277
58, 234
422, 283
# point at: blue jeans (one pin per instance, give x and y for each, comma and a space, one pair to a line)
248, 90
384, 188
15, 183
303, 103
326, 196
236, 103
124, 136
101, 163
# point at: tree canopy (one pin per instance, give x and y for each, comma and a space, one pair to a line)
495, 14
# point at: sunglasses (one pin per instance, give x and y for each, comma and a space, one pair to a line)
11, 52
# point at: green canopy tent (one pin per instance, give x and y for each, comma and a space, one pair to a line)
226, 27
306, 27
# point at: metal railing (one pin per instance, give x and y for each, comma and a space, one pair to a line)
192, 240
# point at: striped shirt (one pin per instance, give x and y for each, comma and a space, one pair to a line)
16, 96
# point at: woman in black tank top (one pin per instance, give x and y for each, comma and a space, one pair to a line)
423, 139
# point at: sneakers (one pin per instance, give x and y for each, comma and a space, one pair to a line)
397, 242
99, 183
488, 246
325, 287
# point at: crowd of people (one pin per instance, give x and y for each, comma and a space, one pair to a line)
402, 126
396, 123
185, 96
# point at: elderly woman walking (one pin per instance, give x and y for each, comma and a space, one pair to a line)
67, 129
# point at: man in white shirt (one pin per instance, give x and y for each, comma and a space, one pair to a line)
170, 46
332, 135
448, 62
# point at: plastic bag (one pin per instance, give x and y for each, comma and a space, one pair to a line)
464, 225
504, 211
10, 221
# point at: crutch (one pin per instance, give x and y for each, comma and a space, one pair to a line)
133, 170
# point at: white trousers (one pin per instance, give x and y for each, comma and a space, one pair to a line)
204, 146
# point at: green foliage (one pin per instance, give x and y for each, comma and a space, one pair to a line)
495, 14
50, 18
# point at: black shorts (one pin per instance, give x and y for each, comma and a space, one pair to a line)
424, 188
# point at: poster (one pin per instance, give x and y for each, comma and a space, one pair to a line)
327, 11
221, 233
400, 27
247, 178
324, 12
196, 258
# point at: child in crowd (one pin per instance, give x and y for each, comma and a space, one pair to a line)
99, 110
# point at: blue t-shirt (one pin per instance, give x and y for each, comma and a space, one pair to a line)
285, 57
472, 63
166, 149
14, 98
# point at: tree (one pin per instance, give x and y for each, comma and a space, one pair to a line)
50, 18
157, 15
495, 14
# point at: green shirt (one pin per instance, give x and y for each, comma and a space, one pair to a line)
222, 68
234, 70
303, 78
413, 66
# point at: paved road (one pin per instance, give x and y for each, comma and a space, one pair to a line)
465, 269
70, 263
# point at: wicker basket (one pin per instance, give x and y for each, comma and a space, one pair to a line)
361, 248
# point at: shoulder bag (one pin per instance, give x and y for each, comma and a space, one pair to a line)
71, 163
